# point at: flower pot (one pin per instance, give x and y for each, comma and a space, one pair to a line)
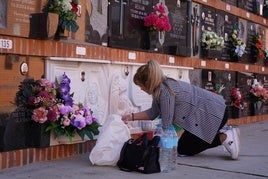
63, 139
235, 112
35, 135
62, 33
235, 58
211, 53
43, 25
256, 108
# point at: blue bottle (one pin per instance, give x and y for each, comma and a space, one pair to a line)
166, 145
175, 140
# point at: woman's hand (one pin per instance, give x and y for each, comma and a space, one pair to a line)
126, 118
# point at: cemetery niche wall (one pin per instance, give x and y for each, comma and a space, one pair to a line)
127, 30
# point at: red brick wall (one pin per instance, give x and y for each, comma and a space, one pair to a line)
10, 76
18, 158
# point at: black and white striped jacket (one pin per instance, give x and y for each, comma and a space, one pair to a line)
195, 109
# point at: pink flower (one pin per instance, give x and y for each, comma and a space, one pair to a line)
89, 120
76, 109
158, 20
160, 9
44, 82
43, 94
66, 121
40, 115
53, 114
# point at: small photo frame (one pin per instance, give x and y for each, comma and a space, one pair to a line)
24, 68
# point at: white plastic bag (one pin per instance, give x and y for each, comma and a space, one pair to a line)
113, 134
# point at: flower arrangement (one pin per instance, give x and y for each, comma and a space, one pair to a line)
51, 103
210, 40
237, 46
216, 88
158, 20
237, 99
68, 11
257, 93
257, 51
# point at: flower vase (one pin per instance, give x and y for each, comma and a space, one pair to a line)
161, 37
153, 40
255, 108
235, 112
235, 58
259, 107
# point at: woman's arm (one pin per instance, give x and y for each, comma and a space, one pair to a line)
135, 116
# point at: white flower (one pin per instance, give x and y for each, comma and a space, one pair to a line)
210, 40
266, 52
66, 5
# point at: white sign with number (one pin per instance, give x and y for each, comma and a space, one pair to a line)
5, 44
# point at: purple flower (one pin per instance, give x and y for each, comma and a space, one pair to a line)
86, 111
65, 109
64, 89
68, 101
65, 79
89, 120
79, 122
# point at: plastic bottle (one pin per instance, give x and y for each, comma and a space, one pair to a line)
175, 140
166, 145
159, 130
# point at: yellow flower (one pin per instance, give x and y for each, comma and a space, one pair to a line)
235, 31
234, 36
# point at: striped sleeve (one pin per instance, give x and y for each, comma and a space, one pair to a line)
167, 106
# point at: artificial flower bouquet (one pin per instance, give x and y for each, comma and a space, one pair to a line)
210, 40
158, 20
52, 104
217, 88
237, 46
256, 50
257, 93
237, 99
68, 11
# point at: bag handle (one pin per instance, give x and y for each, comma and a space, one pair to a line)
143, 140
154, 143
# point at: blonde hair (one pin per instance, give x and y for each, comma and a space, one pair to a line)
150, 76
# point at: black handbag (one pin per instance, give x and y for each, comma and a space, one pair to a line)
140, 155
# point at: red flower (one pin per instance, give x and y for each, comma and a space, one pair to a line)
74, 7
237, 99
260, 54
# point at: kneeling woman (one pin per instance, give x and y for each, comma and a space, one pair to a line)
201, 113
